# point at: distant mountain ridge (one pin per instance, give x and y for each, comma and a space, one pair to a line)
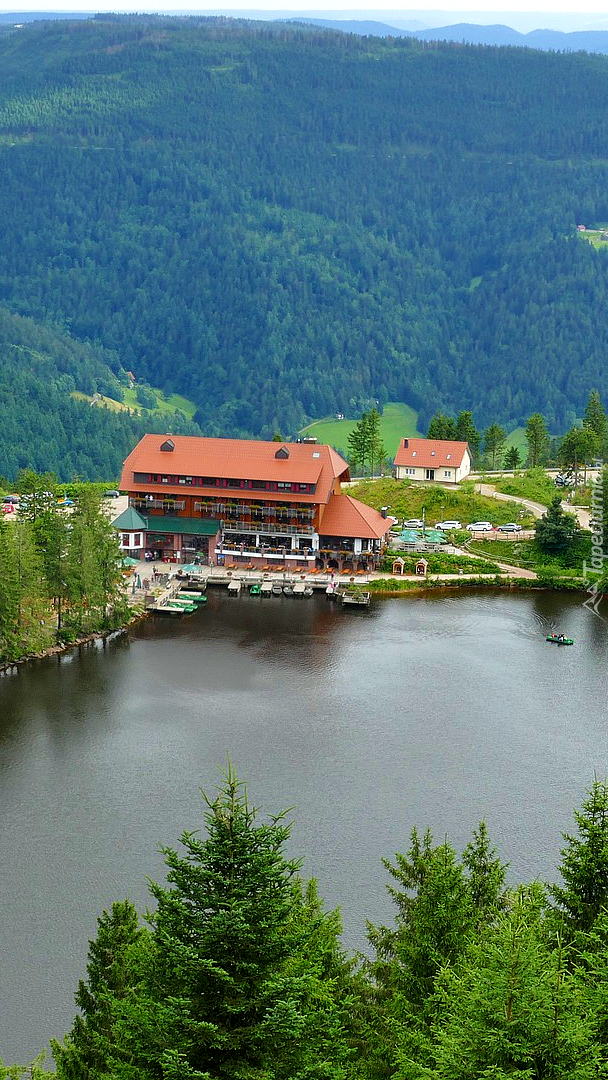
595, 41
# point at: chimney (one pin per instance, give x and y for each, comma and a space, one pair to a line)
384, 511
406, 443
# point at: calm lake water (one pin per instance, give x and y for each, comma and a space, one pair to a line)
429, 711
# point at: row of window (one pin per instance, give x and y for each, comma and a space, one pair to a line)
225, 482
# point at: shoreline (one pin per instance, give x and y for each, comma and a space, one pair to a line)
7, 667
405, 586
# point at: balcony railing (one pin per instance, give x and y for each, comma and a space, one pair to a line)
169, 506
270, 527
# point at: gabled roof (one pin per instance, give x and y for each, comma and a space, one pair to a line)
431, 453
237, 459
345, 516
130, 521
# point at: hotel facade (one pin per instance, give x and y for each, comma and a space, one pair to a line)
243, 502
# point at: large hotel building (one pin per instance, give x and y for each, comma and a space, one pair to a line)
243, 502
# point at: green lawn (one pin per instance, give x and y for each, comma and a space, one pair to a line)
517, 438
167, 405
397, 420
406, 499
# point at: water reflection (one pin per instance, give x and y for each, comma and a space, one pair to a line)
433, 710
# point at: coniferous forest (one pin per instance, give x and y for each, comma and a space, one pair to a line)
239, 973
279, 222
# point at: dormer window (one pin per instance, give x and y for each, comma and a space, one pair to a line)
167, 446
282, 453
413, 453
432, 453
448, 456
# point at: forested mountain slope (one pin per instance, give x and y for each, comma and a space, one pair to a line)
280, 221
42, 426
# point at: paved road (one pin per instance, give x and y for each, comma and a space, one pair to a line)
583, 515
534, 507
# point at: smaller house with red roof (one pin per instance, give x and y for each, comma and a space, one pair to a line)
439, 461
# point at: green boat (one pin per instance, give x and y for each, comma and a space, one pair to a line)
194, 597
255, 590
559, 639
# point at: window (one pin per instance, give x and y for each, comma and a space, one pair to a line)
447, 472
126, 538
137, 540
409, 472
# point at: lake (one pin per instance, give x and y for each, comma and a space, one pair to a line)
436, 710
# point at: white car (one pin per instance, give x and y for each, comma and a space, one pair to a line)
413, 523
447, 526
511, 526
480, 526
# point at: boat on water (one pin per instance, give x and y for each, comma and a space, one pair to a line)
255, 589
288, 590
277, 590
355, 596
194, 597
559, 639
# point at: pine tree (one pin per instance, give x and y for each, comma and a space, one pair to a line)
494, 444
441, 427
595, 418
512, 458
584, 865
537, 438
241, 987
467, 432
556, 532
511, 1007
92, 1049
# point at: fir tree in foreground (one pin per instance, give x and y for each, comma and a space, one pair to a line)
237, 979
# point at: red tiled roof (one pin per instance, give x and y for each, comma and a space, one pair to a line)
239, 459
430, 453
345, 516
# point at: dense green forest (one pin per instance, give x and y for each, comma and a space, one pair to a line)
239, 972
282, 222
60, 571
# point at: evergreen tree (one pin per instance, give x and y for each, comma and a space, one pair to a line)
511, 1007
512, 458
578, 447
537, 438
113, 973
241, 983
584, 865
375, 447
556, 532
494, 444
441, 427
595, 418
467, 432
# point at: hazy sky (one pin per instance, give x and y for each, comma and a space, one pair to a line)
555, 14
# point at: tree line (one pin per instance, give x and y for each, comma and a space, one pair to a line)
60, 571
586, 441
238, 973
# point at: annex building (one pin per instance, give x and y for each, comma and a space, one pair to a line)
438, 460
245, 502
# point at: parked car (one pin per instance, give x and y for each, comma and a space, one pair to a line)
12, 499
447, 526
413, 523
111, 494
511, 526
65, 502
480, 526
8, 508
